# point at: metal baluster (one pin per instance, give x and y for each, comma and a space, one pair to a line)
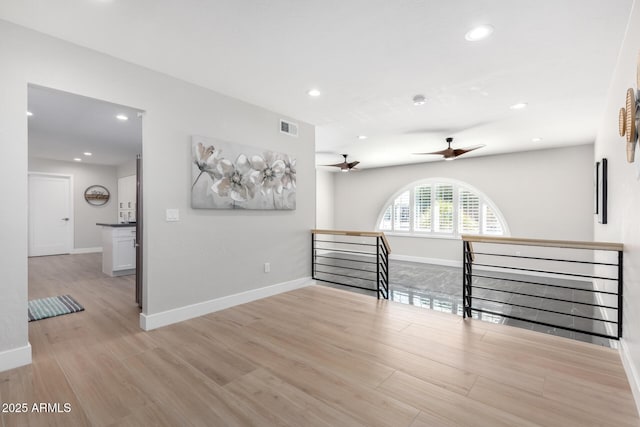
386, 264
378, 264
620, 286
466, 279
313, 255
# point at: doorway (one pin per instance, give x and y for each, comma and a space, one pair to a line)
80, 151
50, 214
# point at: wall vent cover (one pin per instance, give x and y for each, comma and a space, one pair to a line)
288, 127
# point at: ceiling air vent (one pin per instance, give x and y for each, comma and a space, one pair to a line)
288, 128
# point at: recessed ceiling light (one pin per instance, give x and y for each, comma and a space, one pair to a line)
313, 92
122, 117
29, 113
419, 100
536, 139
87, 153
519, 106
77, 159
478, 33
362, 136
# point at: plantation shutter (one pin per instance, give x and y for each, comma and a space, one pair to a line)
401, 212
443, 209
491, 223
468, 212
385, 223
422, 220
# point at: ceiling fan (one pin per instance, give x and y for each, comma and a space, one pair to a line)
450, 153
346, 166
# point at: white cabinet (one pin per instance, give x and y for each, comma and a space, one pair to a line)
118, 250
124, 253
127, 199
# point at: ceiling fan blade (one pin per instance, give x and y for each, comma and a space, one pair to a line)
345, 165
461, 151
441, 152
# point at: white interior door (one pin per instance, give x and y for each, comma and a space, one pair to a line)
50, 219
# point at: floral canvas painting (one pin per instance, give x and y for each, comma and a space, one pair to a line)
233, 176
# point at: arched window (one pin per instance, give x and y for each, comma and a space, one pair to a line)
441, 207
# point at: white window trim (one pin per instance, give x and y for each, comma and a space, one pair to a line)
457, 184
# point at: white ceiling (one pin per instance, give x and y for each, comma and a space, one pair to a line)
369, 58
64, 126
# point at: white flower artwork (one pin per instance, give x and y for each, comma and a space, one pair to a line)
225, 175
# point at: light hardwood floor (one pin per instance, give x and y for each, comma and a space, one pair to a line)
312, 357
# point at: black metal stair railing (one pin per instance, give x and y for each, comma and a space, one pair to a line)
574, 286
356, 259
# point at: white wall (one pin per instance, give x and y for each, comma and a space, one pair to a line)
207, 254
542, 194
324, 199
624, 193
85, 216
126, 169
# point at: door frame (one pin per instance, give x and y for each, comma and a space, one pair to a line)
141, 271
139, 234
71, 242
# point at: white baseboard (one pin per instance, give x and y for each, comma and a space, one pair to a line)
157, 320
632, 373
76, 251
15, 357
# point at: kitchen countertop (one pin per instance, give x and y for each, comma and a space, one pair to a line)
116, 225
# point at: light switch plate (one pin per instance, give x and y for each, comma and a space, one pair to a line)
173, 215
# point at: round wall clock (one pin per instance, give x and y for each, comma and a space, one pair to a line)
622, 121
631, 115
97, 195
630, 124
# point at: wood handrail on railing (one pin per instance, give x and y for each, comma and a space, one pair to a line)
569, 244
355, 233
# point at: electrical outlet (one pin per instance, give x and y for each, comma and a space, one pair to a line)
267, 267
